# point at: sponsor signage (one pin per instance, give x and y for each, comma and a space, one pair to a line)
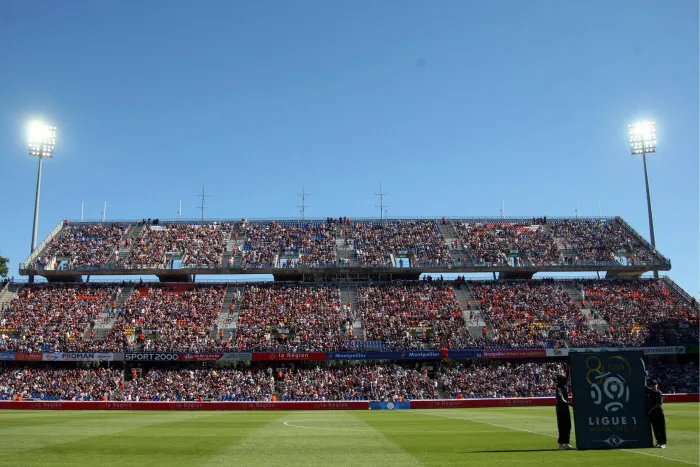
200, 357
423, 354
236, 357
7, 355
514, 353
150, 356
365, 356
669, 350
610, 403
464, 354
263, 356
376, 405
28, 356
80, 357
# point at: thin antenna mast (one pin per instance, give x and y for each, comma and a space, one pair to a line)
201, 205
303, 206
381, 206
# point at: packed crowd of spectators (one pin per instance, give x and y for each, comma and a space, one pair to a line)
641, 312
375, 241
85, 245
315, 242
295, 316
60, 384
478, 378
599, 240
155, 385
351, 381
527, 314
167, 318
198, 244
676, 379
413, 315
52, 317
492, 243
366, 382
199, 385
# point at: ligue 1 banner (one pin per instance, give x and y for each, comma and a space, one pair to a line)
610, 405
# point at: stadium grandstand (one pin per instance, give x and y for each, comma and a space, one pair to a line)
347, 317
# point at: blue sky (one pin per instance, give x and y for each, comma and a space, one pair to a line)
455, 106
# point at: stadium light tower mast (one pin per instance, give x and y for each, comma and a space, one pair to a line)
643, 141
303, 206
201, 206
381, 206
42, 140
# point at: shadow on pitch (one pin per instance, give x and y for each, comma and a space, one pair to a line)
511, 450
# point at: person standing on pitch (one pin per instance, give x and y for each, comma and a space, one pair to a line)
656, 413
563, 414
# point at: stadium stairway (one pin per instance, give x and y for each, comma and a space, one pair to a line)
132, 234
7, 294
464, 296
348, 295
233, 241
588, 312
448, 232
227, 319
346, 253
104, 322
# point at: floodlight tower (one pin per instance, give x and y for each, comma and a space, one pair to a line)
42, 140
643, 141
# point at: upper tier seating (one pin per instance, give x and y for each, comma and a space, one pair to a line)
86, 245
198, 245
493, 243
601, 240
375, 241
314, 242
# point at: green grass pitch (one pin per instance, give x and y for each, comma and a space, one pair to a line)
444, 437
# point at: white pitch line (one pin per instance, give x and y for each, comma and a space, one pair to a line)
290, 424
552, 436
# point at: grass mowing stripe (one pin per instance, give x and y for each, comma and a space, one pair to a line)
79, 439
280, 444
643, 453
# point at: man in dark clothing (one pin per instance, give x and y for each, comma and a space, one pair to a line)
657, 419
563, 414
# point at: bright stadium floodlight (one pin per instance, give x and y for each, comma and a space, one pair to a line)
42, 140
643, 138
643, 141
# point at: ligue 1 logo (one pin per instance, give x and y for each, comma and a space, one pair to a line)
608, 385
